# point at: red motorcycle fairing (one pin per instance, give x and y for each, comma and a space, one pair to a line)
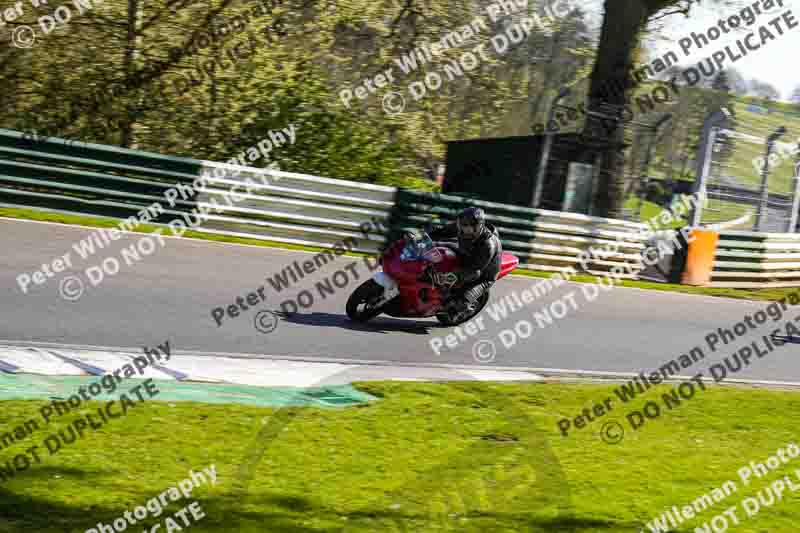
417, 298
416, 276
508, 263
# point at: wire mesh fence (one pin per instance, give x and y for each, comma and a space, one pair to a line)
746, 182
747, 165
572, 168
750, 177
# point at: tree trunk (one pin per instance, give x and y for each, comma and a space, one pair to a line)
132, 46
622, 23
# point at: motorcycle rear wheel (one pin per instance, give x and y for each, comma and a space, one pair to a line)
446, 320
366, 293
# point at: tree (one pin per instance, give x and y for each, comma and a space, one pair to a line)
624, 21
567, 56
159, 76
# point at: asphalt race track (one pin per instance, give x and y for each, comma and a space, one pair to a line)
170, 295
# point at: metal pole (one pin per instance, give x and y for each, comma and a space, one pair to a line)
762, 205
646, 166
598, 160
761, 215
548, 143
796, 198
701, 196
710, 128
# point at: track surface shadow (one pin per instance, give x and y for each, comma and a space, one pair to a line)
376, 325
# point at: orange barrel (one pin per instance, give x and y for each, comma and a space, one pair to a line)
700, 257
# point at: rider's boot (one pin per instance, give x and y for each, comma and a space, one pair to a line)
459, 309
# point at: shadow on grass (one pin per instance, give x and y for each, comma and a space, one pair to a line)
365, 520
281, 513
27, 513
583, 524
24, 513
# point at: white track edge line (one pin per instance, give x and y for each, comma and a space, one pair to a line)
544, 372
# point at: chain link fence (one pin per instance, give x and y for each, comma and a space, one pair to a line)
750, 174
745, 165
571, 172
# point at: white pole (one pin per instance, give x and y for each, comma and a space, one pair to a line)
701, 191
795, 201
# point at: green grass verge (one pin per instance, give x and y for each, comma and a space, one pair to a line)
104, 222
427, 457
740, 164
651, 211
717, 211
770, 294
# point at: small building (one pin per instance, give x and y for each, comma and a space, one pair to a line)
506, 170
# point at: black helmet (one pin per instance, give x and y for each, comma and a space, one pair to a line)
471, 222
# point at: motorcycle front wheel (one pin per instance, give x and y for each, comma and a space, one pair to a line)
360, 306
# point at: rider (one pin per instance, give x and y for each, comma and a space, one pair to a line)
480, 251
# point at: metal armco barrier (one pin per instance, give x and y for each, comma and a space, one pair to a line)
91, 179
302, 209
543, 240
751, 259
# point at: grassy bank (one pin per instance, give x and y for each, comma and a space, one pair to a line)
768, 294
426, 457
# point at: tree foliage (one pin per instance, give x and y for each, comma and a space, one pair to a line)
160, 76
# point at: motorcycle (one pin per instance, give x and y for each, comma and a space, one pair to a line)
417, 277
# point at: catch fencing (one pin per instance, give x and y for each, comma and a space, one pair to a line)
749, 170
